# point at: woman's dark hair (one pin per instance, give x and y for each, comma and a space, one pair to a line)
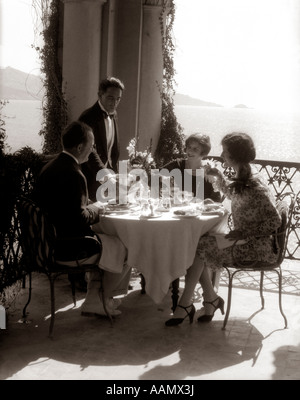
74, 134
241, 149
110, 82
202, 139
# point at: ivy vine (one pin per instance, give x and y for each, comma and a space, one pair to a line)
54, 105
171, 140
3, 136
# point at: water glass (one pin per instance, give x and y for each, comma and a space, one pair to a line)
166, 202
187, 197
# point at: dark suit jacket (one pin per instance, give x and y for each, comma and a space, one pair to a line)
94, 117
62, 193
208, 188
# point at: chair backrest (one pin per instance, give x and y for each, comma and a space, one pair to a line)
285, 206
37, 236
41, 248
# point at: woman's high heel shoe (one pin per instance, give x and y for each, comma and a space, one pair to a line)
220, 305
177, 321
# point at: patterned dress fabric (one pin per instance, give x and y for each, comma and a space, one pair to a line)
254, 213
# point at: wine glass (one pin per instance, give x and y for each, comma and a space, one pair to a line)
187, 197
166, 202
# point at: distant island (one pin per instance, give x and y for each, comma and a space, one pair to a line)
185, 100
240, 106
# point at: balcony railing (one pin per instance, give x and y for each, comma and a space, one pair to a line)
282, 177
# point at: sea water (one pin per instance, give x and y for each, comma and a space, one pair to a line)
275, 133
23, 121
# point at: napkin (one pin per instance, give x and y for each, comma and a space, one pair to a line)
113, 253
219, 232
222, 226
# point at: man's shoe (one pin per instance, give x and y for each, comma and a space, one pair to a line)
114, 303
113, 312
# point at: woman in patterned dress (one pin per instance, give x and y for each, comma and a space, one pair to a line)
254, 213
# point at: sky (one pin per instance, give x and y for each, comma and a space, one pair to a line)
227, 51
239, 51
17, 34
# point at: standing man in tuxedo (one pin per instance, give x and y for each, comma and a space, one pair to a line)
102, 118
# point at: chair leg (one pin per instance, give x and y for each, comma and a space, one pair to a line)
29, 295
229, 296
73, 287
24, 281
175, 293
143, 284
52, 299
280, 298
261, 288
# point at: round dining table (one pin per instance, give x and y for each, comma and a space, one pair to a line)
161, 248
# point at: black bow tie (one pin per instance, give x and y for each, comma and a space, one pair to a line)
107, 115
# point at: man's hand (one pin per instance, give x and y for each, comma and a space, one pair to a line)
101, 207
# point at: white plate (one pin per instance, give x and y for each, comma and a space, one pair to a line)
186, 216
116, 212
118, 206
213, 212
162, 209
150, 216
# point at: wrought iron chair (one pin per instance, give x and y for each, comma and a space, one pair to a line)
44, 252
285, 206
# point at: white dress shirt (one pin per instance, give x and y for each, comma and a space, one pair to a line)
110, 134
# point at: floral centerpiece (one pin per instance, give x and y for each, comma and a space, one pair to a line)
140, 159
143, 160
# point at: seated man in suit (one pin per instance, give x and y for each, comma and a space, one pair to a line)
62, 192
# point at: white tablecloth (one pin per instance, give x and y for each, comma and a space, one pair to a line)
162, 249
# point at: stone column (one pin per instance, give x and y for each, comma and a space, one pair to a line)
108, 39
151, 74
121, 45
81, 53
137, 60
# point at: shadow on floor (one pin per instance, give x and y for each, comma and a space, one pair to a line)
287, 361
137, 338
